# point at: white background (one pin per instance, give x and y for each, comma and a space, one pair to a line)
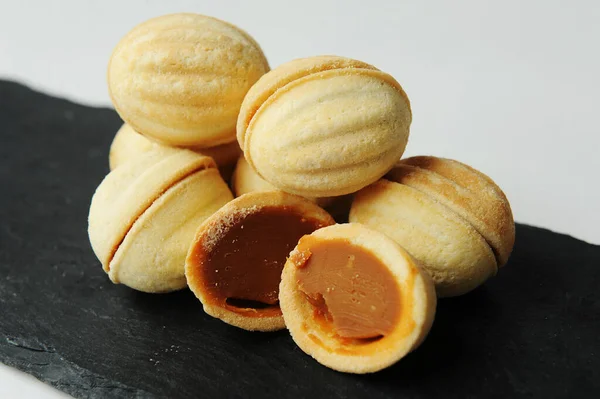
509, 87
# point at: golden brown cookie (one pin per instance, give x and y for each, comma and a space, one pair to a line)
144, 214
354, 299
324, 126
181, 78
468, 192
439, 220
234, 264
129, 144
246, 180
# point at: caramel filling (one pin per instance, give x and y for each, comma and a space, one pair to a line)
243, 269
353, 294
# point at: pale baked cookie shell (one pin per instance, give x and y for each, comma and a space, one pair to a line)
468, 192
286, 73
330, 133
388, 350
450, 249
129, 144
246, 180
152, 255
144, 215
127, 192
181, 78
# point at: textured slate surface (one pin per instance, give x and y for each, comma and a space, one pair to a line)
534, 331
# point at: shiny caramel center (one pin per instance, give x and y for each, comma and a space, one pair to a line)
353, 294
243, 270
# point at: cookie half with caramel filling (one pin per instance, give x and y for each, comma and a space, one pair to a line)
234, 264
354, 299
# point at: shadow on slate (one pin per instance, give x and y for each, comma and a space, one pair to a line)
533, 331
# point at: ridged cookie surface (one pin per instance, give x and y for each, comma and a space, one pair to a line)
129, 144
144, 214
324, 126
181, 78
466, 191
449, 248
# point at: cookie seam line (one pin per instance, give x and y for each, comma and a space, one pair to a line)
286, 87
455, 214
442, 177
159, 194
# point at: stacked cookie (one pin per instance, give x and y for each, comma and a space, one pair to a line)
313, 139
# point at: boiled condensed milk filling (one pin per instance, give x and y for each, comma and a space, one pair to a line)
235, 263
355, 298
244, 266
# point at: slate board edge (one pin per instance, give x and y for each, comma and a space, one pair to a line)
51, 368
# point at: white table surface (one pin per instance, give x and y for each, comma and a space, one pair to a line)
509, 87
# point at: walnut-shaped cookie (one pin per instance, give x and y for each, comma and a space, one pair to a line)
452, 218
324, 126
181, 78
234, 263
354, 300
129, 144
144, 215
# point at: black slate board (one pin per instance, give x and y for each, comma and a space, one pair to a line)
533, 331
